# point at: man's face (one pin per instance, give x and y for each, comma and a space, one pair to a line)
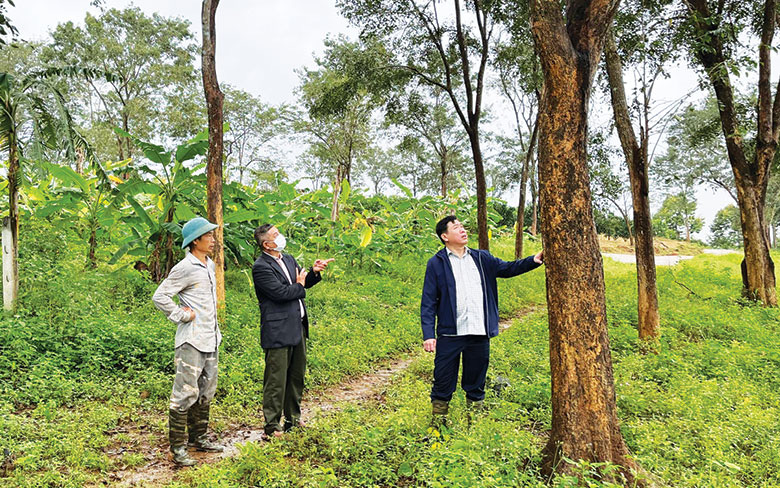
456, 234
270, 237
205, 243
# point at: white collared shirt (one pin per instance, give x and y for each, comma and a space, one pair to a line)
469, 296
286, 272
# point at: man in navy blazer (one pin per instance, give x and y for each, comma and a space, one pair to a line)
459, 313
280, 286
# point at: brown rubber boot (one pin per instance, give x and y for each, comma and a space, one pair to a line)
439, 410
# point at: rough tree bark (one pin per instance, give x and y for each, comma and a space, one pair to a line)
637, 159
751, 177
584, 416
214, 98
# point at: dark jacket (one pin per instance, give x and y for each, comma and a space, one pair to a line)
280, 314
439, 298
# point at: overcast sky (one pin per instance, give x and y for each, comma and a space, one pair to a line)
260, 44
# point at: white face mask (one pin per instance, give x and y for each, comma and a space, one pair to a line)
280, 242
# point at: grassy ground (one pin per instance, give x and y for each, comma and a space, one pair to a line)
87, 355
702, 412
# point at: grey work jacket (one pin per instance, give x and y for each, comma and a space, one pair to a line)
196, 285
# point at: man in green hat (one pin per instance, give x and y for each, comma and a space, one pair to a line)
193, 279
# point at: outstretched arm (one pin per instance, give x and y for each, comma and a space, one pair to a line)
508, 269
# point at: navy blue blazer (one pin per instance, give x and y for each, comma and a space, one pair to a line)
438, 307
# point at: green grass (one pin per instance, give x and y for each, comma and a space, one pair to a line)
87, 357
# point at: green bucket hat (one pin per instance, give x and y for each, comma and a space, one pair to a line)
195, 228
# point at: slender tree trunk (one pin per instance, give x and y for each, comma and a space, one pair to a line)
584, 413
479, 170
627, 221
126, 128
214, 99
534, 205
91, 259
120, 148
443, 167
637, 159
11, 231
334, 209
520, 224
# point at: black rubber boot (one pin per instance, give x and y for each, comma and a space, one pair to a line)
177, 436
198, 423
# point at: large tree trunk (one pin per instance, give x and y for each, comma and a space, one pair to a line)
11, 229
584, 413
637, 159
760, 267
214, 100
750, 178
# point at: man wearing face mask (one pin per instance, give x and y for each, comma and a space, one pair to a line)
280, 286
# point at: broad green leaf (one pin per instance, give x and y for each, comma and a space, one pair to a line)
244, 215
66, 175
141, 212
346, 189
365, 236
197, 146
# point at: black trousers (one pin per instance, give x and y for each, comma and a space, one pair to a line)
285, 368
475, 351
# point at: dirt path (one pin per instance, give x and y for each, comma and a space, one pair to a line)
158, 469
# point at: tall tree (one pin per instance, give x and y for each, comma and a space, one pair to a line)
677, 217
254, 125
725, 229
650, 54
339, 97
519, 80
449, 56
427, 119
152, 58
714, 30
584, 414
696, 153
214, 99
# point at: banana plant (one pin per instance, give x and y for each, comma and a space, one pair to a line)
33, 105
171, 193
89, 201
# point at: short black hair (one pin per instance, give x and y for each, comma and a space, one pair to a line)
261, 232
441, 226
